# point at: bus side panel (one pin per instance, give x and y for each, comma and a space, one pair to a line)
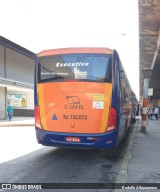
122, 97
35, 83
115, 94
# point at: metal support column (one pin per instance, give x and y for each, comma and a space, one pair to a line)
147, 74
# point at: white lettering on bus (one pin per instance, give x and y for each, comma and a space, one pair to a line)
77, 64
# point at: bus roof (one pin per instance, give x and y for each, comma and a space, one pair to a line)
75, 50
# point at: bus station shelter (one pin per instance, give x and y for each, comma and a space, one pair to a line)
16, 78
149, 42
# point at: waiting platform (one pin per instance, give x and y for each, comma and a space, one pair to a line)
17, 121
141, 164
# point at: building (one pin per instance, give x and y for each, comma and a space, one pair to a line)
16, 78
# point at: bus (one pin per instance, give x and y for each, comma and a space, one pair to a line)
82, 98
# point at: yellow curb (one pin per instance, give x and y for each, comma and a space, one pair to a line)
15, 125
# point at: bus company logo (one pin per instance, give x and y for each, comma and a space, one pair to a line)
72, 99
73, 102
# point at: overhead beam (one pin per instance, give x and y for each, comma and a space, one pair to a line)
156, 50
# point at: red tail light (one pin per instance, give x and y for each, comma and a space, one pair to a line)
37, 118
111, 120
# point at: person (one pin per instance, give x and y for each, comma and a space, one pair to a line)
152, 112
10, 112
149, 113
156, 112
23, 102
138, 109
159, 110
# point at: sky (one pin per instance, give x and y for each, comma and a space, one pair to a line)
47, 24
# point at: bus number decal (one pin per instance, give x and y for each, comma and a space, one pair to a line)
76, 117
79, 117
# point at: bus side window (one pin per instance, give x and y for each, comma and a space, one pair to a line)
121, 84
124, 89
121, 74
109, 76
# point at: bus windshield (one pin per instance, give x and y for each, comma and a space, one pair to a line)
80, 67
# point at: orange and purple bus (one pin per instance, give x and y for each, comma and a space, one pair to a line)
82, 98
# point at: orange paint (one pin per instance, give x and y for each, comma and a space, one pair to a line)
74, 107
75, 50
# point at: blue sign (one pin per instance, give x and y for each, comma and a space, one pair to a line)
54, 117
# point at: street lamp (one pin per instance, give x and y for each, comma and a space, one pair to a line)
147, 72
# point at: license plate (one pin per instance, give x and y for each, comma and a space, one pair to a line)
72, 139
